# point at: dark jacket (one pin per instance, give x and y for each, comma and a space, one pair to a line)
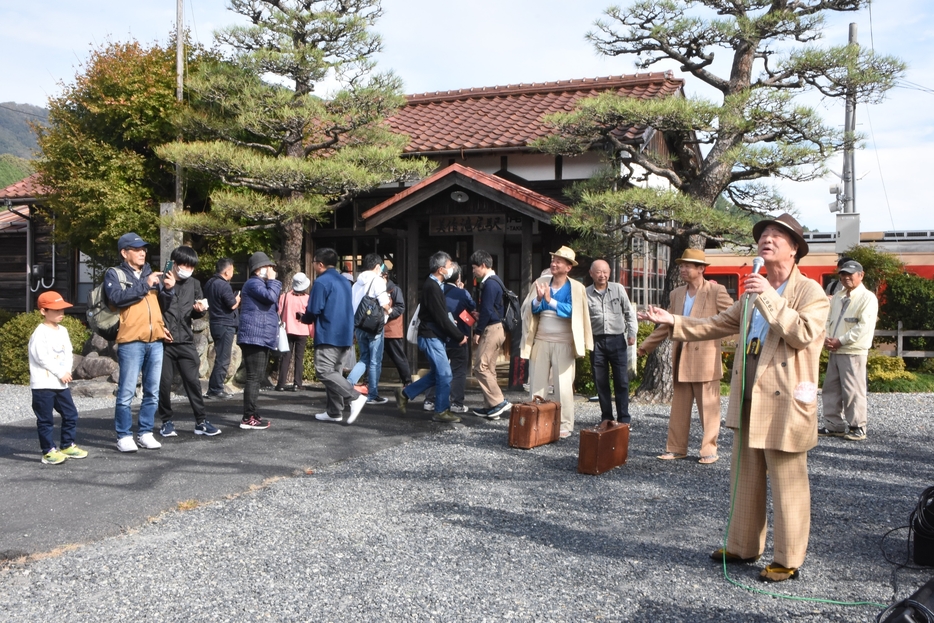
221, 301
433, 315
491, 303
140, 314
458, 300
330, 308
259, 312
177, 309
394, 328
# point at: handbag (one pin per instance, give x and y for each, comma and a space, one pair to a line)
411, 332
369, 316
282, 339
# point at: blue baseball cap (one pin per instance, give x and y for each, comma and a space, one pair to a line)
131, 241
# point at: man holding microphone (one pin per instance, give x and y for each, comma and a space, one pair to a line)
773, 397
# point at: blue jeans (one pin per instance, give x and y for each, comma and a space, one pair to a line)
133, 358
439, 376
371, 353
43, 402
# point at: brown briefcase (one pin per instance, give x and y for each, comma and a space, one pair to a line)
603, 447
534, 423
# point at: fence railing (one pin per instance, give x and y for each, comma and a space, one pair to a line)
902, 333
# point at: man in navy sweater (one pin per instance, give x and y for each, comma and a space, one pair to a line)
330, 308
489, 336
434, 326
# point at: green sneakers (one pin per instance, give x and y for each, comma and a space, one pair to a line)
53, 457
445, 416
74, 452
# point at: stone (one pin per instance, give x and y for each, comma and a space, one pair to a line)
93, 389
93, 366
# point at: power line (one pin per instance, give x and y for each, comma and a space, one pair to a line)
23, 112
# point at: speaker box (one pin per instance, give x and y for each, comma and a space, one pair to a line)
923, 540
909, 613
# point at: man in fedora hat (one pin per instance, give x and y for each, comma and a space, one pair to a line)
773, 397
558, 332
696, 368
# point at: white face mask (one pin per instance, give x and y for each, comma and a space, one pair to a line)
448, 272
184, 273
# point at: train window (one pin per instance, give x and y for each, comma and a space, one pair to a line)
730, 282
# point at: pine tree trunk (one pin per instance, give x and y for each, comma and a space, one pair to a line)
657, 386
292, 237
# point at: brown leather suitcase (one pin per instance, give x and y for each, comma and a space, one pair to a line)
534, 423
602, 448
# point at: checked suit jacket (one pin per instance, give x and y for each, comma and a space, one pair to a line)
694, 362
784, 394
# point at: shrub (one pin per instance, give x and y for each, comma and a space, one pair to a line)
14, 344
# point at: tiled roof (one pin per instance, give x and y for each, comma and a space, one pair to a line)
29, 188
13, 221
509, 193
511, 116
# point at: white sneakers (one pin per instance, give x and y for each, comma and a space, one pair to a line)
126, 444
324, 417
146, 440
356, 406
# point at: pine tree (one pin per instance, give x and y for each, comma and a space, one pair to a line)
725, 147
283, 153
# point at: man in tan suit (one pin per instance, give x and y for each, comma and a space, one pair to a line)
697, 367
773, 397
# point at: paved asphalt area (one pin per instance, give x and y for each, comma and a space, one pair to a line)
134, 487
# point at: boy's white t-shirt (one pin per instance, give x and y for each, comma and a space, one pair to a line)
50, 357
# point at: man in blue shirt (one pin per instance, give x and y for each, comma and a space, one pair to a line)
330, 308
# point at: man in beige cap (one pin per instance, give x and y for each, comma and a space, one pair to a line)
558, 332
696, 368
773, 397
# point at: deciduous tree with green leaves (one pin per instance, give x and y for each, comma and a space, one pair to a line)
97, 149
754, 127
284, 154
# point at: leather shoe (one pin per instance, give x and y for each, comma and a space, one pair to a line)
731, 558
777, 573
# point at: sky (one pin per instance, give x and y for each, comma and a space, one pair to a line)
438, 46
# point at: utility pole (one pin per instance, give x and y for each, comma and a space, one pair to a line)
170, 238
848, 220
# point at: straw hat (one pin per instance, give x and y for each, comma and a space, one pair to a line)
566, 253
788, 223
693, 256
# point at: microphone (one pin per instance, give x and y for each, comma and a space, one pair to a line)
757, 264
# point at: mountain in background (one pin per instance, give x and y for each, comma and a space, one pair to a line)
16, 137
14, 169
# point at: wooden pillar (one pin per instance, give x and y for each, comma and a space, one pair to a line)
518, 367
412, 284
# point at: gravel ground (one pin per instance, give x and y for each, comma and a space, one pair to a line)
17, 403
458, 527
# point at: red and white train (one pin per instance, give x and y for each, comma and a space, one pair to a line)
914, 248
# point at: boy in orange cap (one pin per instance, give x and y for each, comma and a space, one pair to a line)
50, 361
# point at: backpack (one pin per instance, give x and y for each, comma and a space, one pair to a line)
369, 315
512, 316
104, 319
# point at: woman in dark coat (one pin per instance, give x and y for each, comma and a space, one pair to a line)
259, 328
